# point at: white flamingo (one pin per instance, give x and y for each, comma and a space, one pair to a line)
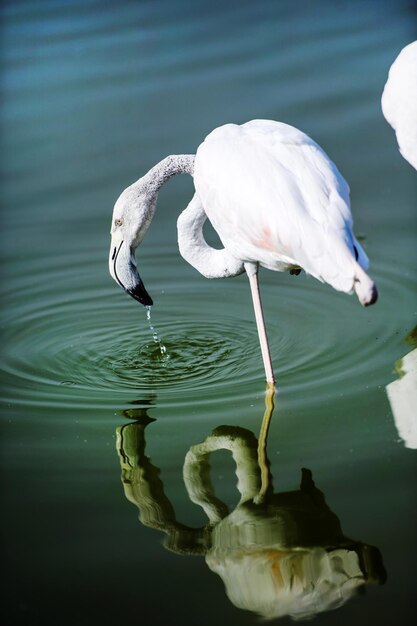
399, 101
274, 198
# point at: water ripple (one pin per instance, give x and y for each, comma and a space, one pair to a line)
321, 342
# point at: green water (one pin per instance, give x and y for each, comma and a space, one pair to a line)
94, 93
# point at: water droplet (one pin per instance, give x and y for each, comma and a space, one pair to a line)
162, 348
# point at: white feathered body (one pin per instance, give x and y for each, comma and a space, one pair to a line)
399, 101
274, 197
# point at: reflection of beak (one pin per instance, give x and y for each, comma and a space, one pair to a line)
122, 267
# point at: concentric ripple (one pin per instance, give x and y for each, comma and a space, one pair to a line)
322, 343
65, 351
193, 354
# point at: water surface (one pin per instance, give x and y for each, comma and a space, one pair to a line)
93, 95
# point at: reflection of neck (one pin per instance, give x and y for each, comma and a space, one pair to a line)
144, 488
165, 169
242, 444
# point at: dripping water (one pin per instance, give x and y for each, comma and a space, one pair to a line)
155, 336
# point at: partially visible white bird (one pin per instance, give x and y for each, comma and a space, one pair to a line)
274, 198
399, 101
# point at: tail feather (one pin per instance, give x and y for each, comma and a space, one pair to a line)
338, 268
364, 287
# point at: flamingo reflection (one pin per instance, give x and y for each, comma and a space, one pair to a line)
277, 553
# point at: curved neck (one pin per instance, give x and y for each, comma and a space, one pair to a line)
210, 262
162, 171
140, 198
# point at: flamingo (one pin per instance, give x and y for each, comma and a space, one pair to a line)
399, 101
275, 199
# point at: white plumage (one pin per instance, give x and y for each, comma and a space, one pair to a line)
275, 199
399, 101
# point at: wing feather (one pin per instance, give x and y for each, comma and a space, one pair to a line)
274, 196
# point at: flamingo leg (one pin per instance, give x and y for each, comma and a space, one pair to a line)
252, 272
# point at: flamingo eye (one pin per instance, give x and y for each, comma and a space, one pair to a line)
118, 221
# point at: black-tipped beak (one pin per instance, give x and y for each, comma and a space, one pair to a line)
139, 293
122, 266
